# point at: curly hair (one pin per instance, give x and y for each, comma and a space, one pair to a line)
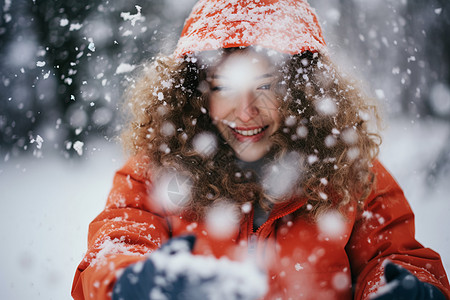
325, 121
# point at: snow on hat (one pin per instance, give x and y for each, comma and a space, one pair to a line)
288, 26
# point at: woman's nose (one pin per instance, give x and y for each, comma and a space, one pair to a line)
247, 107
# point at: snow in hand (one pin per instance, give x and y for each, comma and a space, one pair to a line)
221, 279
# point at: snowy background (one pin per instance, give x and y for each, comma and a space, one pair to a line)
62, 68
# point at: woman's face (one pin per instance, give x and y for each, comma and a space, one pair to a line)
243, 104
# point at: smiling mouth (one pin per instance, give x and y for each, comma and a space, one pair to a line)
249, 131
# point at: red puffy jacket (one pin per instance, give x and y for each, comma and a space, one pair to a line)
302, 261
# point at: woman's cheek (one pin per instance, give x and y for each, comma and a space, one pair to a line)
219, 109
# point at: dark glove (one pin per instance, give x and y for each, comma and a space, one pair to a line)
173, 273
143, 281
402, 284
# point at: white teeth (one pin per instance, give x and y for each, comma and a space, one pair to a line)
249, 132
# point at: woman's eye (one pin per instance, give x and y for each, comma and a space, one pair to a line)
265, 87
219, 88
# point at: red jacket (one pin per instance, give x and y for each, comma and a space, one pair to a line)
302, 261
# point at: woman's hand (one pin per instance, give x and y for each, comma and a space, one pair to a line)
402, 284
173, 273
140, 280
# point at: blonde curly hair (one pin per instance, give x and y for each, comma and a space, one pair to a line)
325, 121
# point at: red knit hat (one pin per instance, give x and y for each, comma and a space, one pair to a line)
288, 26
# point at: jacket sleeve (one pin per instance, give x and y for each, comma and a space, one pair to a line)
122, 234
385, 230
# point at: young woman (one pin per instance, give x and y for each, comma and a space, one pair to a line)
249, 145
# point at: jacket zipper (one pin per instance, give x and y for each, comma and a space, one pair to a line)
252, 244
252, 239
274, 218
253, 235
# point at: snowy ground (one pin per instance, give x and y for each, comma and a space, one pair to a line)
48, 202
